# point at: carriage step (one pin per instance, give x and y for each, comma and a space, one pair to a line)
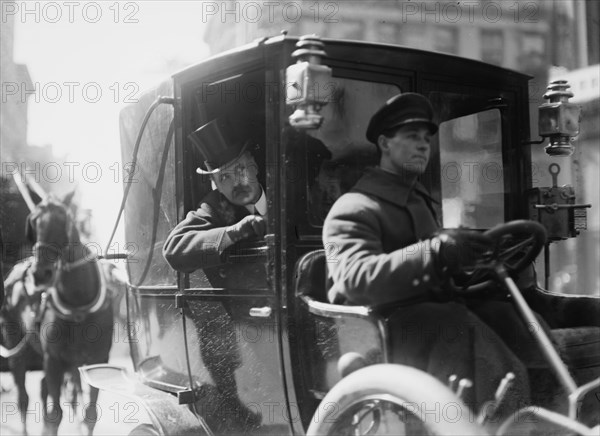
116, 379
162, 407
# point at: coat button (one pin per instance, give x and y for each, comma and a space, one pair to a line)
222, 273
416, 282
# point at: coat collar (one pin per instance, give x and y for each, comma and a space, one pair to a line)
260, 207
390, 187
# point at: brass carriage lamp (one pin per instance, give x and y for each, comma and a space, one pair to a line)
308, 83
559, 119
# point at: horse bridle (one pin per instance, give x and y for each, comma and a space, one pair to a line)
62, 265
69, 229
63, 310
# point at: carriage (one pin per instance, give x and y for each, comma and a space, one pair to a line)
253, 346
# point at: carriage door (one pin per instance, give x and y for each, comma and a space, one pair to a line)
230, 310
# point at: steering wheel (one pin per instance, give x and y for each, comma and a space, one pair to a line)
515, 244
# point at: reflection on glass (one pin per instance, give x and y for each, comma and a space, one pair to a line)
156, 339
472, 171
346, 118
236, 376
327, 339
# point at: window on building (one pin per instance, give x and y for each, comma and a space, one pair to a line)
387, 32
413, 35
533, 52
347, 30
533, 43
445, 40
492, 46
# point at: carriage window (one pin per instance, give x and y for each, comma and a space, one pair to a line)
471, 169
238, 102
150, 210
342, 136
157, 349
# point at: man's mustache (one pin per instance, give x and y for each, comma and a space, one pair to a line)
240, 190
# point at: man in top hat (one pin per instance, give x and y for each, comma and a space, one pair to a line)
389, 250
234, 212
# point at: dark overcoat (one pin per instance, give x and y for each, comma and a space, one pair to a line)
199, 240
377, 239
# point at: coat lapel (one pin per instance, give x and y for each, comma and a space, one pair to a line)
229, 213
400, 192
390, 187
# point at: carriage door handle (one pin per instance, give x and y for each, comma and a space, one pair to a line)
261, 312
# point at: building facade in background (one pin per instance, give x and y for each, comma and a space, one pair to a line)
512, 35
13, 143
19, 158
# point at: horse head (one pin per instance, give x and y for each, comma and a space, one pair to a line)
51, 230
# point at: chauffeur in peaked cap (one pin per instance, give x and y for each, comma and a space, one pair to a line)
401, 110
390, 250
233, 212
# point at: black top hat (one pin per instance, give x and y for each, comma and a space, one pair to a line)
400, 110
219, 144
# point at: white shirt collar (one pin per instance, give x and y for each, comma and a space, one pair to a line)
260, 207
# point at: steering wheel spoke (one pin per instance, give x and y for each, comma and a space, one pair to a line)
516, 245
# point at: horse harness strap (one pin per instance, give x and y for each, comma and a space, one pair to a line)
29, 290
77, 314
66, 266
7, 354
70, 266
42, 290
52, 295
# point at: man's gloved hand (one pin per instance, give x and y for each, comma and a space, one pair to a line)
248, 227
457, 250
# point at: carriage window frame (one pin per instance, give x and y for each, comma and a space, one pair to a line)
308, 223
196, 186
153, 370
151, 210
471, 157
